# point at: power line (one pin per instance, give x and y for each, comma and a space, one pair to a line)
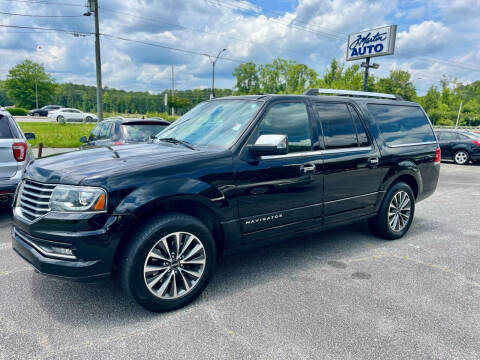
45, 2
168, 47
75, 33
41, 16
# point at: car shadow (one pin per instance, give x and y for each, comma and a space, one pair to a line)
100, 303
5, 215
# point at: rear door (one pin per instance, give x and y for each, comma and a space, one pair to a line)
351, 163
8, 164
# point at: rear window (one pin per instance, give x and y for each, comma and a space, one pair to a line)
5, 131
141, 132
401, 124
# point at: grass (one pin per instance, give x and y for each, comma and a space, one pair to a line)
57, 135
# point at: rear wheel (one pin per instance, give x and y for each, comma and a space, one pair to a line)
461, 157
396, 212
60, 118
169, 262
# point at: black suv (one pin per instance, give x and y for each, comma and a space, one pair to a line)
231, 174
459, 145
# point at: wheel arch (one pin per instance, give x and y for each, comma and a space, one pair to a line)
407, 172
184, 204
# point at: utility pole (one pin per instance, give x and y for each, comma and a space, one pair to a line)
458, 115
173, 89
367, 66
213, 60
36, 92
93, 7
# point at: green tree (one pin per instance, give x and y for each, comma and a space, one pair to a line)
21, 80
247, 78
399, 83
336, 76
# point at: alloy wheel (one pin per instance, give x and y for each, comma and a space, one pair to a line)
461, 157
174, 265
399, 211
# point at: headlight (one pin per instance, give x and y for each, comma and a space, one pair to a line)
77, 198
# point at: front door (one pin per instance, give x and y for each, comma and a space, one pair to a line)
278, 193
352, 167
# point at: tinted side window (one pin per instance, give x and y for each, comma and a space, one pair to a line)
447, 136
95, 132
5, 132
289, 119
338, 128
105, 131
463, 137
401, 124
361, 133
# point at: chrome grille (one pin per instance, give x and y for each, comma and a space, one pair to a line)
34, 199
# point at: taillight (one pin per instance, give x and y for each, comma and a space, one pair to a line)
19, 151
438, 155
476, 142
118, 143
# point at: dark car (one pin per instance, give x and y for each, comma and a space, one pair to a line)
231, 174
120, 131
44, 110
459, 145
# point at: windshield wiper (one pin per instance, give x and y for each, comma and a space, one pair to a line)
177, 141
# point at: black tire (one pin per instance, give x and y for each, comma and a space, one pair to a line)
88, 119
380, 225
461, 157
60, 118
133, 260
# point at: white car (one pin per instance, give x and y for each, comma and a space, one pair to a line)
68, 114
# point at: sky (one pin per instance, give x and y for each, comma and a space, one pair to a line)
434, 38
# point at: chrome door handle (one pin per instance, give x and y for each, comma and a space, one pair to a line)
308, 168
373, 162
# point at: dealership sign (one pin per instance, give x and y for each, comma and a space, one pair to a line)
370, 43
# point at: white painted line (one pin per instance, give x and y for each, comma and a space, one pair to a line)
5, 246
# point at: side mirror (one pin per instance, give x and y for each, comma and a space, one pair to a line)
29, 136
83, 139
270, 145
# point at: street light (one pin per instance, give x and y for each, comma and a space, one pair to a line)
213, 60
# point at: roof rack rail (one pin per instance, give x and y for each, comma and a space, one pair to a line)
352, 93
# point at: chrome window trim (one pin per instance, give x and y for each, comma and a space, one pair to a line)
412, 144
319, 152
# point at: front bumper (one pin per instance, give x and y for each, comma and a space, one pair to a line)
93, 250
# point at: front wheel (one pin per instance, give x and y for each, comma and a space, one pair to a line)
88, 119
396, 212
168, 263
461, 157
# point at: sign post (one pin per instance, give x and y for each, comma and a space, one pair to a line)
371, 43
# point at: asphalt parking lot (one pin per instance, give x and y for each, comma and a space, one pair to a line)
341, 294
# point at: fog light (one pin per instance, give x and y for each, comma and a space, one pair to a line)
57, 250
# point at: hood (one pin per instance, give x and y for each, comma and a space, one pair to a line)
71, 168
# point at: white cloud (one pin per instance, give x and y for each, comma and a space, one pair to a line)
312, 33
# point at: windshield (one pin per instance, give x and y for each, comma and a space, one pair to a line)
213, 123
141, 132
